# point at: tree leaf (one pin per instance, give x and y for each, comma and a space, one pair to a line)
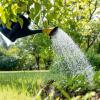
14, 8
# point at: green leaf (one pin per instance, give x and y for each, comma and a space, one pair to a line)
2, 15
20, 21
37, 8
9, 25
14, 19
14, 8
3, 18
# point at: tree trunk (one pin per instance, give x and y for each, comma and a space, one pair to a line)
37, 62
98, 49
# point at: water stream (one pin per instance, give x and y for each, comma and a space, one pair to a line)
69, 59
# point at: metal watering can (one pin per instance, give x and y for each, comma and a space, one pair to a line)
17, 31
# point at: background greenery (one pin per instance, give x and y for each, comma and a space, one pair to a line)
80, 19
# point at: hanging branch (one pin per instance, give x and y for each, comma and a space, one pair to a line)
92, 12
89, 44
65, 2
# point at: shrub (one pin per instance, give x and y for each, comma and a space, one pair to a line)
8, 63
94, 59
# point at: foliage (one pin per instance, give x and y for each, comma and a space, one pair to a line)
7, 62
34, 84
25, 52
10, 64
13, 94
77, 18
94, 57
38, 47
73, 16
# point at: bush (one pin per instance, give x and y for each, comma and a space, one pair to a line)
8, 63
94, 59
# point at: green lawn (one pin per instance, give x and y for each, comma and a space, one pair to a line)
14, 77
10, 76
22, 85
26, 85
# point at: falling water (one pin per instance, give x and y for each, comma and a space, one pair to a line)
70, 60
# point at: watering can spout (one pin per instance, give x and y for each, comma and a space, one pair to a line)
53, 32
50, 31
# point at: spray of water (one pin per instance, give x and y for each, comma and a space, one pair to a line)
70, 60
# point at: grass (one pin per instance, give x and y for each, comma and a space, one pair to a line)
21, 85
15, 76
13, 94
26, 85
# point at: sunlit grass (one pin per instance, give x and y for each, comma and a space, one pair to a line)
8, 93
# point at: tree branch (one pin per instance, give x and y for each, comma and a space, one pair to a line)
89, 44
92, 12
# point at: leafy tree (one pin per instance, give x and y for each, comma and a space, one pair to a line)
39, 47
76, 17
8, 60
70, 15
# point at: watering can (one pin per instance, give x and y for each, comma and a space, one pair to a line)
22, 33
17, 31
